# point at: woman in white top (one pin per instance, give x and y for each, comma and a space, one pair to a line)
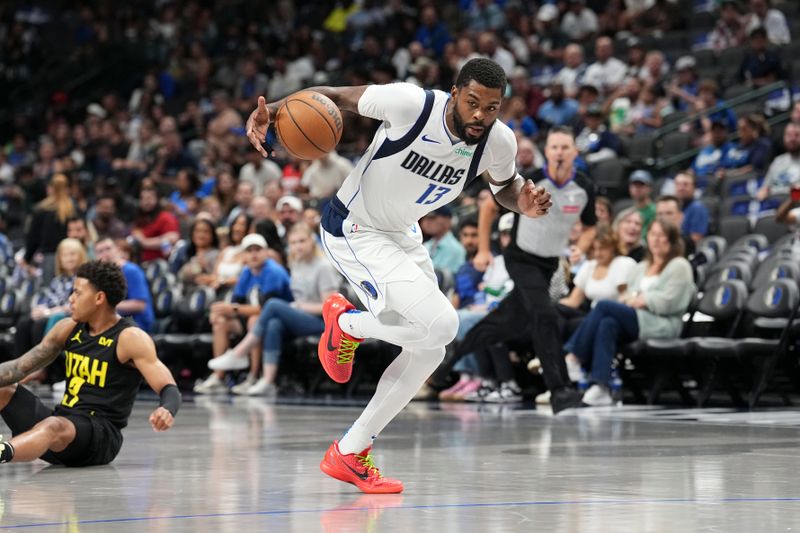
660, 291
230, 260
605, 276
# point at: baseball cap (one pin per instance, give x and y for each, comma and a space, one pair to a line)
254, 239
685, 62
292, 201
96, 110
641, 176
506, 222
595, 110
443, 211
547, 13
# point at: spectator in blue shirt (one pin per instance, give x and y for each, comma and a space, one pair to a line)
558, 110
516, 118
753, 151
710, 157
432, 33
234, 318
760, 66
138, 303
445, 250
695, 213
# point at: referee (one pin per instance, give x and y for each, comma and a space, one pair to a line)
532, 258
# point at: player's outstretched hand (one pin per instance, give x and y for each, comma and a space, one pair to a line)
161, 419
533, 201
257, 125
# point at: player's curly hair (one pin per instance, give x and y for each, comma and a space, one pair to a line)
484, 71
106, 277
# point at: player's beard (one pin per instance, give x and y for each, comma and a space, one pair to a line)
461, 129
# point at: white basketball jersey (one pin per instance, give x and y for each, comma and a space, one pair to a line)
414, 165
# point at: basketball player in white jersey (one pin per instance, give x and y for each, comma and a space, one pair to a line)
429, 146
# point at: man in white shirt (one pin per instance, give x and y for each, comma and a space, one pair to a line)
488, 47
325, 175
571, 76
579, 22
771, 19
608, 72
258, 172
784, 172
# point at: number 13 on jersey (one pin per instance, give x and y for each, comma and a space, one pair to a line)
432, 194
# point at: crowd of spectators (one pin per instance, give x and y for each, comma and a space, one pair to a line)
146, 158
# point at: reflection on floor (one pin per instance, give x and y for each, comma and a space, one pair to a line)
248, 464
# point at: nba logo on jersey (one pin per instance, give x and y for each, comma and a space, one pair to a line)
353, 228
370, 288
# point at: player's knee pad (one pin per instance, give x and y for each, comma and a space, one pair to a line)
444, 328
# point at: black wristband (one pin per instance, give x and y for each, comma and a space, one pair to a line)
170, 398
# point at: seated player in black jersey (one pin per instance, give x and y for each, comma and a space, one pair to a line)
106, 356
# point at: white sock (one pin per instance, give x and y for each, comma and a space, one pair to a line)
356, 440
398, 384
350, 322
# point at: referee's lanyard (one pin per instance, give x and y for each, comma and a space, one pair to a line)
547, 175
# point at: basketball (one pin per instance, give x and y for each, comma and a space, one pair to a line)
309, 125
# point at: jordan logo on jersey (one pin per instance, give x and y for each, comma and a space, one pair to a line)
76, 337
427, 168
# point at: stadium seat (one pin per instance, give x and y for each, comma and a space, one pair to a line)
732, 228
770, 228
730, 270
781, 269
642, 149
608, 175
155, 268
753, 240
718, 243
675, 143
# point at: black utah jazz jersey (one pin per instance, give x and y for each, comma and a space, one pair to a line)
97, 383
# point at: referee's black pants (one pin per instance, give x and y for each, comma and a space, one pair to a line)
527, 307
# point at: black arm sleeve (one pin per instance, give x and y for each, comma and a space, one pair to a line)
170, 398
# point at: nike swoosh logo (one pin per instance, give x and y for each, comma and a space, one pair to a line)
331, 347
363, 476
429, 140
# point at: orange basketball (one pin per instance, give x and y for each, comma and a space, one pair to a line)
309, 125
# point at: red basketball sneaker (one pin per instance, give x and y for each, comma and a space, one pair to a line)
358, 469
336, 348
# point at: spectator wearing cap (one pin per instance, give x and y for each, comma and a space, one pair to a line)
760, 66
710, 157
695, 214
259, 171
558, 110
325, 175
608, 72
729, 31
762, 15
640, 188
579, 23
635, 56
260, 273
684, 86
549, 40
594, 141
290, 209
445, 250
784, 172
571, 74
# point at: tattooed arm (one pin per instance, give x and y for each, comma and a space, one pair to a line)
39, 356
